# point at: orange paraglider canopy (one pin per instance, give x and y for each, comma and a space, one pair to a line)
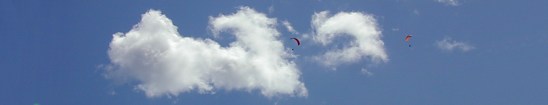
407, 38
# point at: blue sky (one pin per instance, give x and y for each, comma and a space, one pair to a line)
54, 52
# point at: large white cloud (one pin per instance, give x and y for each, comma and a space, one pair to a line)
163, 62
365, 37
449, 44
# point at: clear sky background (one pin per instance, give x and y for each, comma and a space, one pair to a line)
54, 52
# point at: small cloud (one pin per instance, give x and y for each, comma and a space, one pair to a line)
416, 12
366, 72
395, 29
112, 93
448, 44
449, 2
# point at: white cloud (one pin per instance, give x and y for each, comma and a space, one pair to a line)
448, 44
366, 72
449, 2
289, 27
362, 28
165, 63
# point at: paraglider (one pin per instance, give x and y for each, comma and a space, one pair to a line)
407, 38
296, 40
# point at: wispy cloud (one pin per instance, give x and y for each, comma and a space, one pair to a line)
365, 36
448, 44
163, 62
449, 2
289, 27
271, 9
416, 12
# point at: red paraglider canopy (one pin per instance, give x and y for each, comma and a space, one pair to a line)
297, 40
